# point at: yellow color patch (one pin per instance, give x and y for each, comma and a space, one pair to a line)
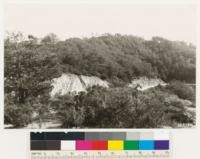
115, 145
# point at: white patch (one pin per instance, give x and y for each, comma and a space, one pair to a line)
145, 83
71, 83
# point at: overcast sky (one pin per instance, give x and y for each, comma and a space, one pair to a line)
174, 22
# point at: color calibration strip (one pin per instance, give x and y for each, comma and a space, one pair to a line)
100, 145
87, 141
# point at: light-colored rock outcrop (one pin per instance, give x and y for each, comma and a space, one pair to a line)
144, 83
93, 81
71, 83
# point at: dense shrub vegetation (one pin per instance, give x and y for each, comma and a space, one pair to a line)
31, 63
121, 107
182, 90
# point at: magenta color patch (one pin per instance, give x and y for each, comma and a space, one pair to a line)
83, 145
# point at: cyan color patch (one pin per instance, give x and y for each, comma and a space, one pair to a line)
146, 145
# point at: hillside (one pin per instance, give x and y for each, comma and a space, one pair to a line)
99, 70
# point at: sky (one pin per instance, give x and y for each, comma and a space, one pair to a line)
174, 22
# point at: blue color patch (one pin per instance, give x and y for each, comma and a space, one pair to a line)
146, 145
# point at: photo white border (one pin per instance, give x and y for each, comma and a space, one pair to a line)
177, 132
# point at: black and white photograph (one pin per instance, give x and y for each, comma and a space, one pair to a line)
99, 66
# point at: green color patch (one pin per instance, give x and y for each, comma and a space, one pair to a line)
131, 145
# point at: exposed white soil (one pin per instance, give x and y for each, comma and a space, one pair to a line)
144, 83
71, 83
